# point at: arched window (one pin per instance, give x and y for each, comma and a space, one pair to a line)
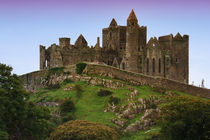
147, 65
153, 65
159, 65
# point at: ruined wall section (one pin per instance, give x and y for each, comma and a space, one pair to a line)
111, 38
153, 64
66, 54
180, 58
122, 36
42, 57
75, 55
54, 56
114, 43
142, 38
175, 52
141, 79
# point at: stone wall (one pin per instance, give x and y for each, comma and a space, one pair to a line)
33, 81
36, 80
140, 79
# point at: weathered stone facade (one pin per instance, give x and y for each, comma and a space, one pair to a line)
125, 47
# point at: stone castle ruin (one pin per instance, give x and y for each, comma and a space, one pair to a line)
126, 48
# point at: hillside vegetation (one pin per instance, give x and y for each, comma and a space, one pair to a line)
131, 110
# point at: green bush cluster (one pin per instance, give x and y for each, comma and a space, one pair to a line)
102, 92
114, 100
67, 109
56, 70
19, 118
185, 118
80, 67
83, 130
67, 106
68, 117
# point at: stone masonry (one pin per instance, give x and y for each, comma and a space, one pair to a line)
125, 47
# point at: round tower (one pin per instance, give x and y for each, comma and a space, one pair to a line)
132, 36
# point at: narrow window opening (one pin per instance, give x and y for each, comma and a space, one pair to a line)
159, 65
153, 65
147, 65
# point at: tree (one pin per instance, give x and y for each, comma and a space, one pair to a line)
186, 118
19, 118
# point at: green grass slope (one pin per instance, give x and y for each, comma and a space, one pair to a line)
89, 106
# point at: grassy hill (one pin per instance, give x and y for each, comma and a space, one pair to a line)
91, 107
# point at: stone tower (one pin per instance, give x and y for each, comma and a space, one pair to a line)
132, 43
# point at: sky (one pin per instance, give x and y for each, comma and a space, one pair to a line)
26, 24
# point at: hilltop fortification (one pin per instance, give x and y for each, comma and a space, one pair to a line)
125, 47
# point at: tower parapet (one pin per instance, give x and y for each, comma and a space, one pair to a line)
64, 42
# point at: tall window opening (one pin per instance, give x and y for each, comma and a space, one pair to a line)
159, 65
153, 65
147, 65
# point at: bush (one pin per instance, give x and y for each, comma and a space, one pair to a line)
185, 118
19, 118
114, 100
57, 70
4, 135
80, 67
67, 106
83, 130
68, 117
53, 71
104, 92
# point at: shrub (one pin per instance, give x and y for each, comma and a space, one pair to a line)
80, 67
185, 118
83, 130
19, 118
67, 106
53, 71
114, 100
56, 70
104, 92
68, 117
4, 135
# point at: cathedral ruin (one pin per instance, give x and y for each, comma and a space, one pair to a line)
126, 48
